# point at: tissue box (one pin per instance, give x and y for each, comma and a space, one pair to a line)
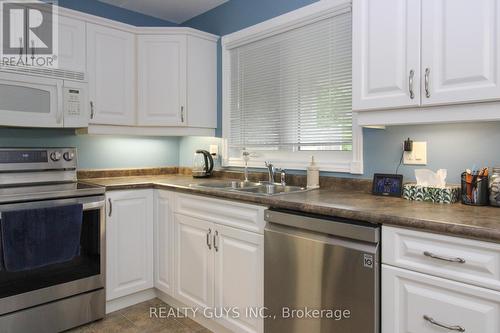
449, 194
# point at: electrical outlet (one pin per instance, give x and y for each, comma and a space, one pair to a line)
214, 150
418, 156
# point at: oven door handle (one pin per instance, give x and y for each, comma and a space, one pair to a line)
88, 203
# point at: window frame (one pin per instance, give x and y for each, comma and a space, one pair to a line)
333, 161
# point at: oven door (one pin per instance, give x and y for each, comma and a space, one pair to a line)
30, 101
20, 290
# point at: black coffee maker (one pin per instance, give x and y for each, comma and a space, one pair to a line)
203, 164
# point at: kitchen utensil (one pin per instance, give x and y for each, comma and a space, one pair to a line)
203, 164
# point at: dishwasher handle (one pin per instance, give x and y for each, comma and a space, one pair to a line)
346, 229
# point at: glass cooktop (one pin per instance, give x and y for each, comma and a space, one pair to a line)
48, 191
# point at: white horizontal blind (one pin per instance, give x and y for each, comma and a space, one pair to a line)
293, 90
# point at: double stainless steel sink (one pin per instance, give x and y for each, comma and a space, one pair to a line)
260, 188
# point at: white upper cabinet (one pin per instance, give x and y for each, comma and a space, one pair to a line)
460, 51
72, 53
418, 53
162, 80
142, 80
386, 54
111, 71
177, 81
202, 82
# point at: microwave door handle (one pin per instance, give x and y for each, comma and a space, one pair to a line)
60, 104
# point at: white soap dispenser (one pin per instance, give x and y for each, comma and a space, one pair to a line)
312, 175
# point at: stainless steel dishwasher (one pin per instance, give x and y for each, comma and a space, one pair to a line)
321, 274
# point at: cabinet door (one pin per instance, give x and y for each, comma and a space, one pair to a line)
460, 51
194, 261
163, 238
239, 276
386, 54
202, 83
72, 44
162, 80
414, 302
111, 72
129, 242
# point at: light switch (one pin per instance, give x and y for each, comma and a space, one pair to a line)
418, 156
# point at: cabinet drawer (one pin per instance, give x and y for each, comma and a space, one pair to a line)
464, 260
233, 214
409, 298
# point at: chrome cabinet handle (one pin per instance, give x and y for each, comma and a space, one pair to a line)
110, 207
182, 114
92, 110
455, 328
209, 244
216, 235
433, 256
427, 89
410, 84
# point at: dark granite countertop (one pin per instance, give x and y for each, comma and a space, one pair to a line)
458, 220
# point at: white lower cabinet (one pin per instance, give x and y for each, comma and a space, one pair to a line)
434, 283
213, 261
219, 267
420, 303
194, 261
163, 241
129, 242
239, 274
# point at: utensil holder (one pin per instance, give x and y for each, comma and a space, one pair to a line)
475, 191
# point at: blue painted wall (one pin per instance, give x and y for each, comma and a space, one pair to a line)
105, 10
188, 146
454, 147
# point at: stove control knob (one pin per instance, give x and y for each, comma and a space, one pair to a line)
69, 156
55, 156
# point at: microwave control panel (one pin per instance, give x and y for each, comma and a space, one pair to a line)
72, 101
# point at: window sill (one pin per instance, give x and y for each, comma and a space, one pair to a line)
342, 167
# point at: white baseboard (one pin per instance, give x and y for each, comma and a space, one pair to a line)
205, 322
126, 301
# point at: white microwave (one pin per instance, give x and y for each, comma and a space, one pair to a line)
36, 101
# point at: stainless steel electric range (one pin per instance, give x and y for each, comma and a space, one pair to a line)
60, 296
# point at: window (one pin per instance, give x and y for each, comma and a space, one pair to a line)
288, 94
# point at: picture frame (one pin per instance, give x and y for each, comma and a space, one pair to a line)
390, 185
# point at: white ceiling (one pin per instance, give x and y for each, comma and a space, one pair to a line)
176, 11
